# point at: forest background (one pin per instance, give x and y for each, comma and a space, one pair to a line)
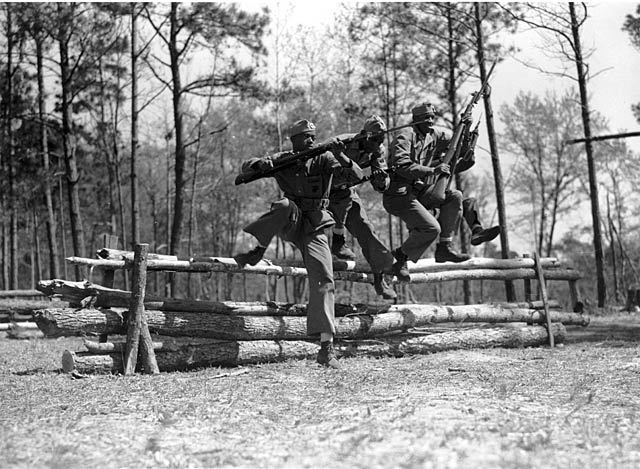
132, 120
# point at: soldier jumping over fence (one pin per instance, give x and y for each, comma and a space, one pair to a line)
348, 211
301, 217
414, 159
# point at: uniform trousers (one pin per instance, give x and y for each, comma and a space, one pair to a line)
470, 213
285, 219
346, 207
423, 227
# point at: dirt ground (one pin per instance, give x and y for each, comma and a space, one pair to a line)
576, 406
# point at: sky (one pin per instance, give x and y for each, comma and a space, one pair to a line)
614, 65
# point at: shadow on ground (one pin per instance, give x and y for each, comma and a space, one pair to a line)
622, 329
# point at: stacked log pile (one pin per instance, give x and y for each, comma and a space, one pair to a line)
16, 317
195, 333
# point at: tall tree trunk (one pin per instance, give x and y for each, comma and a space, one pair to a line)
63, 237
111, 164
36, 246
73, 177
52, 241
451, 91
180, 153
10, 150
612, 246
593, 183
495, 158
135, 217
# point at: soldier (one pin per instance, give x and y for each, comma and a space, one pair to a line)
301, 217
347, 209
415, 161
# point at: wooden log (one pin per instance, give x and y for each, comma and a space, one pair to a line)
15, 316
229, 353
65, 322
137, 330
18, 325
81, 294
161, 344
244, 353
543, 293
87, 294
20, 294
455, 272
422, 265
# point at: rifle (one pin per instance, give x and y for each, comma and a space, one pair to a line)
290, 159
436, 193
473, 139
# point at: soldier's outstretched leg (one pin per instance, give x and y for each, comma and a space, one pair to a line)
339, 206
423, 230
377, 255
449, 219
479, 235
282, 216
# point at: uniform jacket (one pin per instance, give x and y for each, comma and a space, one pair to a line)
356, 152
308, 184
413, 157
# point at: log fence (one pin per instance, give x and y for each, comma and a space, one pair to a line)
193, 333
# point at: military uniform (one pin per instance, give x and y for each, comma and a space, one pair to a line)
347, 209
413, 159
302, 218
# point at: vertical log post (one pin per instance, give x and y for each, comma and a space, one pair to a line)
543, 294
108, 275
527, 284
138, 336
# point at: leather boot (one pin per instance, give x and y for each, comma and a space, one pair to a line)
340, 249
479, 236
383, 288
444, 253
252, 257
327, 356
399, 267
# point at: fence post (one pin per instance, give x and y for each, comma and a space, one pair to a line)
527, 283
138, 336
545, 300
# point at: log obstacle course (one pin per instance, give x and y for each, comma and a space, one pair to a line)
197, 333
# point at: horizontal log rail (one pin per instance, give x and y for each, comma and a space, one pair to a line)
422, 265
82, 294
446, 271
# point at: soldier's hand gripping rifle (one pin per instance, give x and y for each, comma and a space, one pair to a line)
436, 193
289, 159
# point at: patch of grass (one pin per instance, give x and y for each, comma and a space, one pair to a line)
575, 406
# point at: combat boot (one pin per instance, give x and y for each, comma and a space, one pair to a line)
252, 257
327, 356
444, 253
340, 249
480, 235
382, 288
399, 267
